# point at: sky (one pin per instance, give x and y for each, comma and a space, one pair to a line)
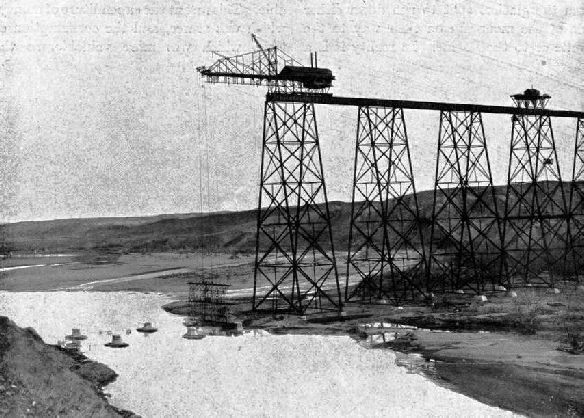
102, 112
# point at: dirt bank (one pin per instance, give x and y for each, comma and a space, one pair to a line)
523, 374
37, 379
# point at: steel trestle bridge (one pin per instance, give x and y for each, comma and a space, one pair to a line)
474, 240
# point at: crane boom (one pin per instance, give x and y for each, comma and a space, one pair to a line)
256, 41
272, 65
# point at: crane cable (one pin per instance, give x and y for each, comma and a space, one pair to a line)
202, 153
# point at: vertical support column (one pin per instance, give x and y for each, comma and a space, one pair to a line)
536, 227
386, 251
576, 245
466, 233
295, 261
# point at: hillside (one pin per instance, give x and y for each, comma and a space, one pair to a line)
41, 380
221, 232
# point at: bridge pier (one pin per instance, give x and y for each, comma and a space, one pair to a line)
536, 227
466, 235
294, 246
386, 248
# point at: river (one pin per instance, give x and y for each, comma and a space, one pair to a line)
256, 374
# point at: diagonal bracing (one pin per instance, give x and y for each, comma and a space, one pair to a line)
295, 261
386, 253
576, 246
466, 235
536, 227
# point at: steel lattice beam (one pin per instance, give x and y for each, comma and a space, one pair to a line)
295, 261
466, 235
536, 230
385, 241
576, 246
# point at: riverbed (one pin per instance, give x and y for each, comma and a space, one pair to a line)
256, 374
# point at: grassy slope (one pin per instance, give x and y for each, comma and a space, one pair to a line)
37, 379
229, 232
234, 231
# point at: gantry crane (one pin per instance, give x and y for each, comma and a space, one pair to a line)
271, 67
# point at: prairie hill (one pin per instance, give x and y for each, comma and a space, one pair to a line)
221, 232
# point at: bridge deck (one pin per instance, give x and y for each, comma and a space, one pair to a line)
411, 104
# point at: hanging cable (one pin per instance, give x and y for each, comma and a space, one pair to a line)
202, 124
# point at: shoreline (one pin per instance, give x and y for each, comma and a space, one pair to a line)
98, 374
507, 351
505, 370
522, 373
493, 359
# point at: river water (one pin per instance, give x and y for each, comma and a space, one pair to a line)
256, 374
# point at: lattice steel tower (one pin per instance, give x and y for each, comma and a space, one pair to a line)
576, 246
536, 227
295, 261
466, 234
386, 248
